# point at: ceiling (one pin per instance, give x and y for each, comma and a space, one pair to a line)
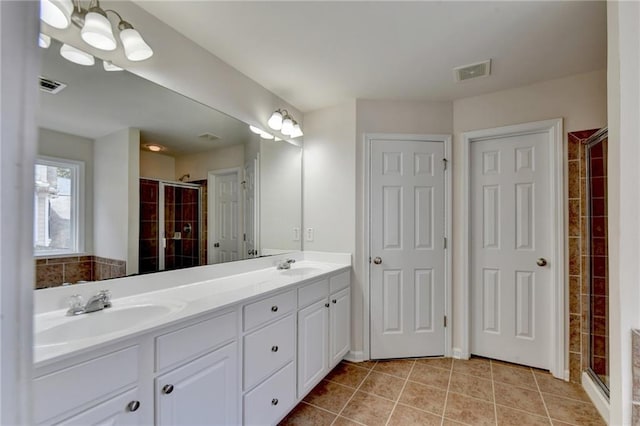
96, 103
318, 54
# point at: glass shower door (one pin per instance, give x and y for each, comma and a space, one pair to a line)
179, 226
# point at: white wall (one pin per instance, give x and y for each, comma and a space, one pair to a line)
198, 165
157, 166
71, 147
623, 29
117, 197
581, 100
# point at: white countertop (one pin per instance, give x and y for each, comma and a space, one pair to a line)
191, 296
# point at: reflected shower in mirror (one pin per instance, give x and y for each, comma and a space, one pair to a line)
134, 178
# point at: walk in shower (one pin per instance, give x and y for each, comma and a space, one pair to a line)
170, 225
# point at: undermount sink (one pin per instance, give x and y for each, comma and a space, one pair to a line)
99, 323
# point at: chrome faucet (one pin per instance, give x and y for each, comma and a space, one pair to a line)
100, 301
286, 264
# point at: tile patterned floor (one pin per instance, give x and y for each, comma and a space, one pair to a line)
442, 391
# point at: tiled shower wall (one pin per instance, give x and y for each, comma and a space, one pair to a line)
148, 243
54, 271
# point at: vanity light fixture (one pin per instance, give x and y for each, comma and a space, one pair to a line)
44, 41
95, 27
108, 66
76, 56
281, 120
262, 133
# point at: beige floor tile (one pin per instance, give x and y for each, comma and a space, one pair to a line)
330, 396
549, 384
363, 364
469, 410
559, 423
383, 385
478, 367
510, 417
368, 409
395, 367
436, 377
471, 386
572, 411
348, 375
522, 377
509, 364
519, 398
409, 416
445, 363
449, 422
304, 414
343, 421
424, 397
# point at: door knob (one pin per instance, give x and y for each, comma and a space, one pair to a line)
377, 260
541, 262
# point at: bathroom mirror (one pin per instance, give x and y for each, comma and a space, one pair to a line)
215, 192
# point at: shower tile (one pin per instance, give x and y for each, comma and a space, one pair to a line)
574, 179
574, 294
47, 275
574, 218
574, 256
575, 367
574, 333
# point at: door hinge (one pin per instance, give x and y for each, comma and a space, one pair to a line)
445, 320
445, 161
244, 237
369, 259
445, 242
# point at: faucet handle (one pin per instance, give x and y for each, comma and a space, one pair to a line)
291, 261
106, 298
76, 305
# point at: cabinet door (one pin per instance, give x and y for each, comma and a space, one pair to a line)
313, 345
117, 411
203, 392
339, 326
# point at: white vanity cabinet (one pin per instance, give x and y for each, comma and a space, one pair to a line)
324, 325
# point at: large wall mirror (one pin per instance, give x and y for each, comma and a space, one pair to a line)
134, 178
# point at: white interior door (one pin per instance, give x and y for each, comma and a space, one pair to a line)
250, 207
407, 272
226, 237
511, 232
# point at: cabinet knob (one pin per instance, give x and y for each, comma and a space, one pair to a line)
274, 349
334, 301
326, 305
274, 308
167, 389
133, 406
274, 401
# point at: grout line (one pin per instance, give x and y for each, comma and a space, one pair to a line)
318, 407
542, 397
521, 410
400, 394
351, 397
493, 392
446, 395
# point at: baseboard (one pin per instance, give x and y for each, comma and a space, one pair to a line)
459, 354
355, 356
594, 392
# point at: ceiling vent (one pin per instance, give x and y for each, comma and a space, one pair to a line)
209, 136
467, 72
51, 86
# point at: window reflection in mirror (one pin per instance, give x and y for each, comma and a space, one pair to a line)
211, 192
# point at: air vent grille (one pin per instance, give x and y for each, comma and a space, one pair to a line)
467, 72
208, 136
51, 86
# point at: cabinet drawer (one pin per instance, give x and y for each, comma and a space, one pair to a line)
312, 293
268, 349
340, 281
269, 402
73, 387
189, 342
264, 310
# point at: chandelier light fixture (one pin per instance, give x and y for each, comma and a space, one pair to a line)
282, 121
95, 28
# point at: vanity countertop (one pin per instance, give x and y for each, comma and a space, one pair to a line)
135, 312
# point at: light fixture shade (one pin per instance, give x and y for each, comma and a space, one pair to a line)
44, 41
97, 31
275, 122
77, 56
108, 66
255, 130
297, 131
135, 48
287, 126
56, 13
265, 135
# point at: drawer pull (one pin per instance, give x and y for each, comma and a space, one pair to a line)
274, 401
274, 349
326, 305
167, 389
334, 301
133, 406
274, 308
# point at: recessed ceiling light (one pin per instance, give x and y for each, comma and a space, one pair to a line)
154, 147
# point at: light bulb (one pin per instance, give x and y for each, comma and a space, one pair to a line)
44, 41
135, 48
297, 131
154, 148
97, 31
287, 126
76, 56
56, 13
275, 122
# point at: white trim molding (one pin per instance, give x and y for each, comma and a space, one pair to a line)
448, 217
600, 401
558, 350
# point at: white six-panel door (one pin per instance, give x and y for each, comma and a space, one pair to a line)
227, 217
407, 286
510, 233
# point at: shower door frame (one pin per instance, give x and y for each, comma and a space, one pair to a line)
161, 225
